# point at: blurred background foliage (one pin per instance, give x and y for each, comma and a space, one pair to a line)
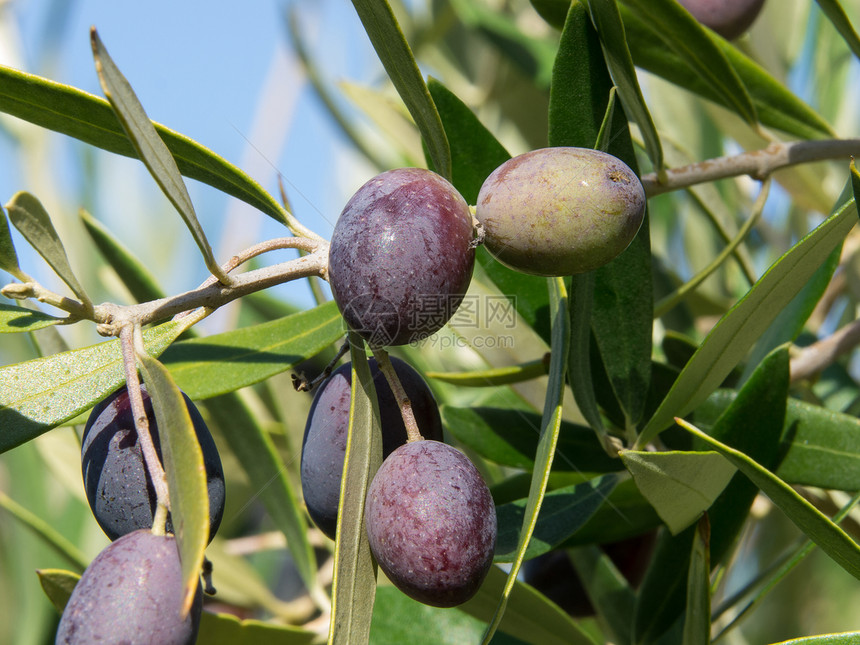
496, 55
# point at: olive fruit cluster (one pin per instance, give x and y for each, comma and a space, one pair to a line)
429, 516
132, 591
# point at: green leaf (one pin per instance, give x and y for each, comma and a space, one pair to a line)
562, 513
531, 617
258, 457
90, 119
819, 447
697, 624
354, 584
45, 532
29, 216
152, 151
134, 274
397, 59
494, 376
845, 638
550, 427
58, 585
621, 309
42, 393
680, 485
8, 257
226, 629
818, 527
608, 590
221, 363
729, 341
16, 319
185, 471
475, 152
775, 105
397, 619
836, 14
607, 20
579, 369
511, 437
698, 48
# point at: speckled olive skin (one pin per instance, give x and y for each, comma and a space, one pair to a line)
431, 523
560, 211
131, 593
116, 480
729, 18
324, 442
401, 256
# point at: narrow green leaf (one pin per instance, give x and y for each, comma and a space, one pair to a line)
697, 46
58, 586
610, 28
475, 152
836, 14
680, 485
397, 619
397, 59
258, 457
185, 471
579, 370
29, 216
89, 118
45, 532
134, 274
494, 376
16, 319
152, 151
562, 513
731, 338
531, 617
226, 629
775, 105
607, 589
221, 363
550, 427
42, 393
818, 527
8, 257
697, 624
845, 638
511, 438
604, 135
354, 584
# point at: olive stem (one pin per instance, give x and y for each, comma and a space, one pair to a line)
141, 425
403, 402
816, 357
756, 163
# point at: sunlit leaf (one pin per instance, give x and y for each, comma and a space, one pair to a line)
354, 584
71, 111
29, 216
152, 151
8, 256
42, 393
680, 485
836, 14
16, 319
819, 528
396, 56
58, 586
221, 363
226, 629
730, 340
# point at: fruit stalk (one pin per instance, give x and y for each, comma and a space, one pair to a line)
403, 402
141, 426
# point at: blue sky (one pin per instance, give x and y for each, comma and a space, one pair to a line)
222, 73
